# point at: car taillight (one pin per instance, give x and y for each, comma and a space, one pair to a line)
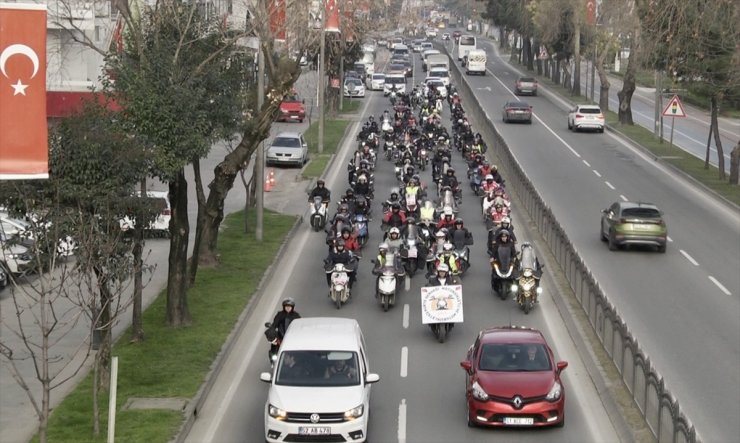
509, 109
601, 116
579, 116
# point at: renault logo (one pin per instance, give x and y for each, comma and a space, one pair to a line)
517, 402
315, 418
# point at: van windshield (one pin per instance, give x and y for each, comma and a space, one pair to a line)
317, 369
467, 40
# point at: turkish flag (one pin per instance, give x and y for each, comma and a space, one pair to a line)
332, 16
276, 10
24, 150
349, 35
591, 12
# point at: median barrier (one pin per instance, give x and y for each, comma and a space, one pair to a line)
657, 405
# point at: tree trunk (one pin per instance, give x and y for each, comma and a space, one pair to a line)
717, 140
95, 402
503, 38
576, 57
735, 165
226, 171
604, 80
528, 54
556, 72
708, 151
628, 83
137, 324
566, 74
178, 313
195, 260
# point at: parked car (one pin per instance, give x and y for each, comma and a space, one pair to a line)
376, 82
446, 36
633, 223
517, 111
16, 254
287, 148
160, 226
586, 117
354, 87
292, 108
321, 383
526, 85
511, 379
65, 245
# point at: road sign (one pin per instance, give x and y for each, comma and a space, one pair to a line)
674, 108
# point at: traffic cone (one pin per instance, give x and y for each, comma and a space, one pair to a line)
270, 180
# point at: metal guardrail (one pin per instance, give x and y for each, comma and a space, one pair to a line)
658, 406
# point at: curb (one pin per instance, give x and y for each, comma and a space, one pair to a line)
191, 409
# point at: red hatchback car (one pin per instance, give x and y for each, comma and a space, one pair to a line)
512, 379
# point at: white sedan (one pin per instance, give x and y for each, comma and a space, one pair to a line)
353, 87
376, 82
586, 117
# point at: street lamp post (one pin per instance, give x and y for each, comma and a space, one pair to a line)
322, 76
259, 163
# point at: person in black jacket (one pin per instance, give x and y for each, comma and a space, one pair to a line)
282, 320
320, 190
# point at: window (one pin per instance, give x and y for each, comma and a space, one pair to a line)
467, 40
318, 368
589, 111
522, 357
287, 142
641, 212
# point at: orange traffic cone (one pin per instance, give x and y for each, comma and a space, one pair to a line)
270, 180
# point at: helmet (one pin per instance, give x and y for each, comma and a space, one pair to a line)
506, 220
340, 243
450, 170
459, 221
440, 234
448, 247
371, 119
489, 177
447, 210
504, 232
443, 268
350, 191
410, 220
494, 167
394, 230
346, 230
383, 247
394, 191
344, 207
320, 182
395, 206
289, 302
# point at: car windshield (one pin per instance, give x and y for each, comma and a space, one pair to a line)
317, 369
353, 82
395, 80
441, 74
526, 80
590, 111
378, 76
286, 142
292, 99
641, 212
514, 357
517, 105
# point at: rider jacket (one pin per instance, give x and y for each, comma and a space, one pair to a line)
450, 280
446, 222
322, 192
450, 259
351, 244
394, 219
460, 237
345, 257
282, 321
362, 188
451, 181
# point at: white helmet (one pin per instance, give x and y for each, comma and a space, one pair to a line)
443, 268
489, 177
448, 210
440, 234
448, 247
394, 231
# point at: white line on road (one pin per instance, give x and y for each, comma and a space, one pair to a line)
404, 361
402, 421
407, 284
689, 258
669, 238
586, 163
597, 173
406, 316
719, 285
623, 197
610, 186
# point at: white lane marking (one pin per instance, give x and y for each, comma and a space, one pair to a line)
402, 421
623, 197
669, 238
597, 173
610, 186
404, 361
689, 258
406, 316
586, 163
719, 285
407, 284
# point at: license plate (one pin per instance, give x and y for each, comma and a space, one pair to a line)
412, 253
314, 430
518, 421
641, 227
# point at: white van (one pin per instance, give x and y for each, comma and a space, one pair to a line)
476, 62
465, 44
320, 386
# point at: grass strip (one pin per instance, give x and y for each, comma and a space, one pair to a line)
175, 362
334, 130
351, 106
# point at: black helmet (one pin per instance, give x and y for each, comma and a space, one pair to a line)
339, 243
350, 191
410, 220
320, 182
396, 206
459, 221
450, 170
289, 302
346, 230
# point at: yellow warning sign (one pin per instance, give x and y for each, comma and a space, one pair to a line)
674, 108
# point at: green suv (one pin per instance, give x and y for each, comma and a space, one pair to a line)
633, 223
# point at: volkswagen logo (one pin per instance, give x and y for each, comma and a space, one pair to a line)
518, 402
315, 417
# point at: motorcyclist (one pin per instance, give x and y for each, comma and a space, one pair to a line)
282, 320
443, 277
447, 220
349, 199
460, 235
478, 144
395, 217
395, 198
394, 240
362, 186
339, 254
450, 180
448, 257
501, 241
529, 260
496, 175
350, 242
427, 212
505, 224
489, 185
385, 254
320, 191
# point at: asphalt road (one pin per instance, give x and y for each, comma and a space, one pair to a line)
683, 306
420, 397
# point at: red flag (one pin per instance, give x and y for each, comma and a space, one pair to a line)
276, 9
591, 12
349, 11
332, 16
24, 149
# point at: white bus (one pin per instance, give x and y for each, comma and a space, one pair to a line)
466, 43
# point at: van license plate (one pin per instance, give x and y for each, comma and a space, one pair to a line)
520, 421
313, 430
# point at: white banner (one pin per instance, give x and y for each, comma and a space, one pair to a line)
441, 304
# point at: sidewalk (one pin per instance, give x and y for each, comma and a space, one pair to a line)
18, 420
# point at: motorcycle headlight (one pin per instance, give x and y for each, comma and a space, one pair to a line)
354, 413
276, 413
515, 288
555, 392
479, 393
539, 290
527, 272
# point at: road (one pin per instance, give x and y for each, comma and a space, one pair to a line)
684, 306
17, 416
420, 397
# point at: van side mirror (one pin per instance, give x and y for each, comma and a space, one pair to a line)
372, 378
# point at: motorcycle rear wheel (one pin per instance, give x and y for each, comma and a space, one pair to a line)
441, 333
384, 300
338, 301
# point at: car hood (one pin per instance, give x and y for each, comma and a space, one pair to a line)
316, 399
509, 384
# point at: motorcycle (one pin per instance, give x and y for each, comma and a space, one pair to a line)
339, 292
412, 204
441, 330
411, 255
361, 229
272, 336
527, 287
475, 182
318, 214
423, 159
502, 274
388, 282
